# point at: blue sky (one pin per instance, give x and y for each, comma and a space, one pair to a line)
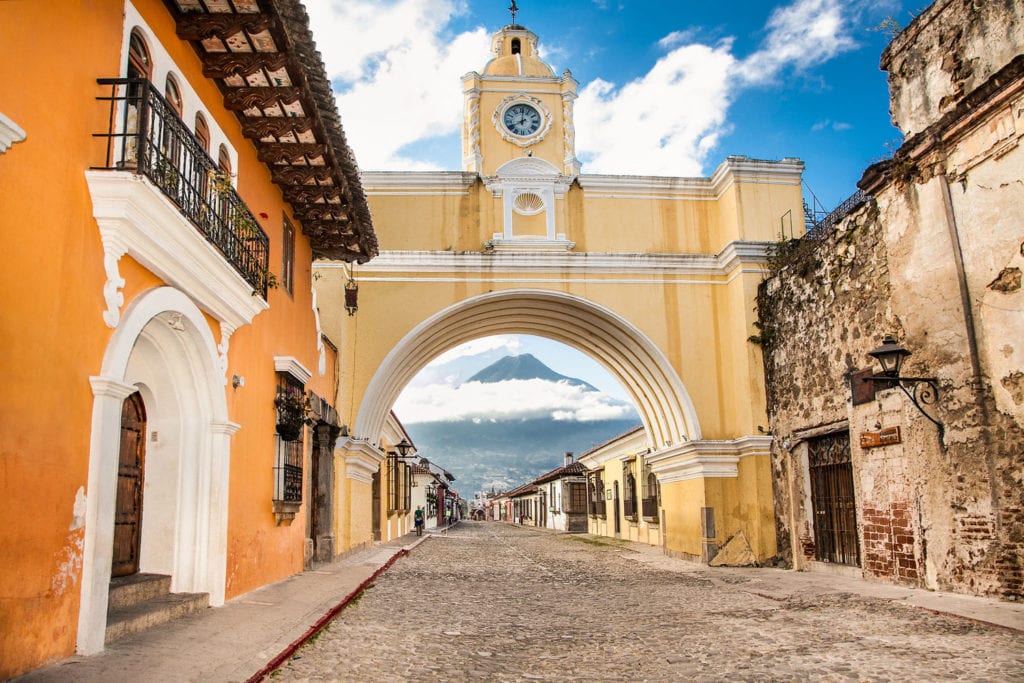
762, 79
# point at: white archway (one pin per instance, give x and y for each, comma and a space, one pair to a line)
162, 347
668, 414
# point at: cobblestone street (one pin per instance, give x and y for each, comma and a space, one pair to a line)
491, 601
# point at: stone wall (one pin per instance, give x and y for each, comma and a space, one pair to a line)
951, 49
934, 258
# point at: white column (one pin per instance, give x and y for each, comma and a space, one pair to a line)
101, 496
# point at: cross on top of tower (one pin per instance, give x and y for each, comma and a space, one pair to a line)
514, 9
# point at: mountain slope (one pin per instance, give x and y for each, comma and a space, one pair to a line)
525, 366
504, 454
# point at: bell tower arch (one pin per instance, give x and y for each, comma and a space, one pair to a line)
518, 107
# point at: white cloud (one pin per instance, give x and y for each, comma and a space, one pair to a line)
398, 67
800, 35
508, 343
665, 123
509, 400
399, 72
837, 126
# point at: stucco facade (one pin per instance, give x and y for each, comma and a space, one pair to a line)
114, 295
653, 277
933, 256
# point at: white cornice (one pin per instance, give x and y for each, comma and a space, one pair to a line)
10, 132
361, 459
705, 459
417, 182
359, 470
733, 256
735, 169
135, 218
292, 366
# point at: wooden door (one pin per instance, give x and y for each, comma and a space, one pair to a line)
832, 498
128, 507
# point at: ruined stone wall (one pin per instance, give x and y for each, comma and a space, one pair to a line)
952, 48
936, 259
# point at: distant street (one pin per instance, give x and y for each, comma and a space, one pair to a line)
490, 601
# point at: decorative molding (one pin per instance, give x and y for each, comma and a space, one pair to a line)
736, 255
417, 183
285, 511
104, 387
291, 366
708, 459
10, 132
136, 219
112, 295
501, 243
226, 330
536, 103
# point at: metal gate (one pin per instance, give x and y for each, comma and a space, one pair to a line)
832, 499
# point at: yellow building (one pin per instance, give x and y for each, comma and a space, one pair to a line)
622, 490
653, 277
167, 176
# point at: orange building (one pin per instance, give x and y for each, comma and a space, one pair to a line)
168, 172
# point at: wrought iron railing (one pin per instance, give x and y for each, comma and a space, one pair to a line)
146, 136
649, 507
825, 225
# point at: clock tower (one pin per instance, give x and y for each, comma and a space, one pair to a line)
518, 108
518, 136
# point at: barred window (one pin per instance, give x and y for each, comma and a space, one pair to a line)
289, 455
650, 498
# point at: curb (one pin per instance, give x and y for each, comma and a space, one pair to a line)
320, 623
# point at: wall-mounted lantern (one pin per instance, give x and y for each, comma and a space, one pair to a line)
923, 391
351, 296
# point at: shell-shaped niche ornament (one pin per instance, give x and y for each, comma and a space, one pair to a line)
528, 204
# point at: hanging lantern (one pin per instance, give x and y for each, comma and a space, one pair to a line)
351, 296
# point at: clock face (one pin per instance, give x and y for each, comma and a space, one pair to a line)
521, 119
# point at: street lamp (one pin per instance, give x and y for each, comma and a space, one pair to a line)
923, 390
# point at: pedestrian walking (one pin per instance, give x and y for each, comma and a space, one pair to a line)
418, 519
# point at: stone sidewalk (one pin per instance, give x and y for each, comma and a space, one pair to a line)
239, 640
250, 635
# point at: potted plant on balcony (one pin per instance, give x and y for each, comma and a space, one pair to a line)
292, 413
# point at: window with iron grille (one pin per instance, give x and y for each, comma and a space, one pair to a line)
289, 457
394, 488
407, 487
597, 504
628, 491
650, 499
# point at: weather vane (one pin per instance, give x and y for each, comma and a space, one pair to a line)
513, 8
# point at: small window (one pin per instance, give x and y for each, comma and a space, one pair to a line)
172, 93
516, 49
287, 255
139, 64
223, 159
291, 401
203, 133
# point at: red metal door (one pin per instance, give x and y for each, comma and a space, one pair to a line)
128, 507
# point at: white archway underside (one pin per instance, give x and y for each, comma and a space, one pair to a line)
668, 414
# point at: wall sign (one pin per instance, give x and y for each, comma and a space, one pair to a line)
886, 437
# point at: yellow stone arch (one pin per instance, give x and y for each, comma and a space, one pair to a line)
665, 408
